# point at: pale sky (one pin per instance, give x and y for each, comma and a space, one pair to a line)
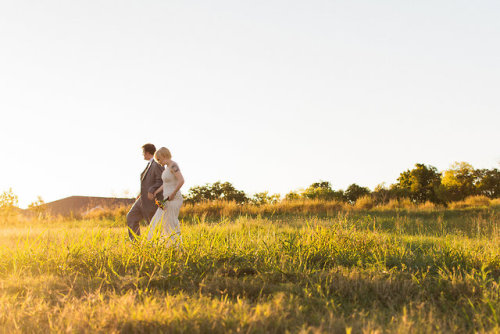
269, 95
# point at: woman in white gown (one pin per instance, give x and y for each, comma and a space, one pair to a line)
165, 222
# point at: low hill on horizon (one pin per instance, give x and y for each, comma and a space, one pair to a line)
78, 205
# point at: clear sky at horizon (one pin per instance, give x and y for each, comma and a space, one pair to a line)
269, 95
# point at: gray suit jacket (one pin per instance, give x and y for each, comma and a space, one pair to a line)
150, 182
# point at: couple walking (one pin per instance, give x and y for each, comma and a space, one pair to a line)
161, 181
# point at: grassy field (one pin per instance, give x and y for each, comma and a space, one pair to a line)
347, 272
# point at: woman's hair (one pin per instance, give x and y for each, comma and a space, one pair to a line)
162, 152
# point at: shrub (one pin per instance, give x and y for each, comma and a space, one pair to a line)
428, 206
479, 200
471, 201
364, 203
457, 205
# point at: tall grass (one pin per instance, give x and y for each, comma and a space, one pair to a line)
352, 271
314, 207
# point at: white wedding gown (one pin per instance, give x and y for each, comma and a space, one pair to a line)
165, 223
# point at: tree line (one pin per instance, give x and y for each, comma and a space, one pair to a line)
423, 183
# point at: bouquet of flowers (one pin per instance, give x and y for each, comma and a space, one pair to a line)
161, 204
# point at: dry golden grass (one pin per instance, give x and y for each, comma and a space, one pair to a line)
364, 203
228, 209
218, 209
365, 272
472, 201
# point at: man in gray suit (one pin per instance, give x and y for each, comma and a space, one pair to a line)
145, 207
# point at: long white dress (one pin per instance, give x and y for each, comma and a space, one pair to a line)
165, 223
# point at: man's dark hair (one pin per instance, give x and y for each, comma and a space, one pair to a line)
150, 148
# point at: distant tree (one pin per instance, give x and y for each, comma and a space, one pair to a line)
323, 190
229, 193
199, 193
265, 198
38, 207
382, 194
8, 203
215, 191
354, 191
8, 200
487, 182
458, 182
420, 184
292, 196
321, 185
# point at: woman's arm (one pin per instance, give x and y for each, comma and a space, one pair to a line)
180, 180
